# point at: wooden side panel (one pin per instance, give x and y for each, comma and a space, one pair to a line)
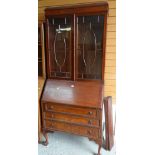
111, 28
111, 35
112, 12
111, 20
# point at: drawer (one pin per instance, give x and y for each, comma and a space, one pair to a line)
87, 112
71, 118
74, 129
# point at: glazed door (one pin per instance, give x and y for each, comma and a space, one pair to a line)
89, 47
60, 47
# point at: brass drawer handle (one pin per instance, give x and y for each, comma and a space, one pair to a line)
90, 112
90, 122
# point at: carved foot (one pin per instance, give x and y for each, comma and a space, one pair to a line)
45, 143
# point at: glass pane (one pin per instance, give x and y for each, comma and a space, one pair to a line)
89, 46
60, 47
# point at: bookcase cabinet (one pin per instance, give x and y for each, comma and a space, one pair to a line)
73, 95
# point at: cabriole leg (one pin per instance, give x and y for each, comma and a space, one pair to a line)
45, 143
99, 142
99, 149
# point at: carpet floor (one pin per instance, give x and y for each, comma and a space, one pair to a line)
68, 144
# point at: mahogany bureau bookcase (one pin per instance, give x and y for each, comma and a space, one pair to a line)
72, 99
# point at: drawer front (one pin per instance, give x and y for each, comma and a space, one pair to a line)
88, 112
71, 118
75, 129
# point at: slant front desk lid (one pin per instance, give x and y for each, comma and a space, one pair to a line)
76, 93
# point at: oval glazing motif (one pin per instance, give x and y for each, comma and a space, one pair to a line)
59, 49
89, 48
